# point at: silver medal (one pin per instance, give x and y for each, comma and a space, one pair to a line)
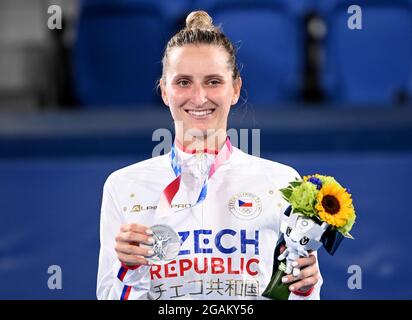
166, 246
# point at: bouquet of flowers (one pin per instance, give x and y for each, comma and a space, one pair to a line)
318, 203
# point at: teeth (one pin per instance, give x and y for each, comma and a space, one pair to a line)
199, 113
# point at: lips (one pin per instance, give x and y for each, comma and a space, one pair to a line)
200, 114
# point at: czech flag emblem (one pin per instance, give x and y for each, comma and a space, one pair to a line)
244, 204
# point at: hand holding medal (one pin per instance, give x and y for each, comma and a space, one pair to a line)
130, 244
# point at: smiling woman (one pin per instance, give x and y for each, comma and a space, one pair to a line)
200, 82
213, 217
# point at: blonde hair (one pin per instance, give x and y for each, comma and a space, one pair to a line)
199, 20
199, 29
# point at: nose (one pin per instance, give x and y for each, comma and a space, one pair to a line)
199, 95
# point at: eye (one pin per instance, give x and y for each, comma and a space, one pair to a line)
213, 82
288, 231
183, 83
304, 240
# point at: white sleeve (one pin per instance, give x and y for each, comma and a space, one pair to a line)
114, 281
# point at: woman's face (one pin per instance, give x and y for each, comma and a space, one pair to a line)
198, 88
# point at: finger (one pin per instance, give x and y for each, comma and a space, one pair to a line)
288, 268
309, 272
133, 237
289, 278
281, 257
133, 250
304, 273
296, 272
305, 261
132, 260
304, 284
135, 227
282, 248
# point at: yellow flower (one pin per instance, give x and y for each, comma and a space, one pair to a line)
334, 205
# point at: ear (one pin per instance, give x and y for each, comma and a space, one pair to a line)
237, 86
163, 91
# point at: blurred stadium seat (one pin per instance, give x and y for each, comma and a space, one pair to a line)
117, 53
175, 9
371, 66
270, 36
25, 49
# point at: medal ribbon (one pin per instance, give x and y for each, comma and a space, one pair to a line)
172, 188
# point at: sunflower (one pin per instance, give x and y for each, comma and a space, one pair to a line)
334, 205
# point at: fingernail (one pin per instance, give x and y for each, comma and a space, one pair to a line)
294, 264
150, 252
149, 232
150, 240
292, 288
285, 279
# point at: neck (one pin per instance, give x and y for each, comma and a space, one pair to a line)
210, 144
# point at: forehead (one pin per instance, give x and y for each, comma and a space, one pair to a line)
198, 59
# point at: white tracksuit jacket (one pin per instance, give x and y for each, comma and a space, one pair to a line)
228, 240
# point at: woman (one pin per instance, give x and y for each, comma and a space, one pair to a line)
224, 204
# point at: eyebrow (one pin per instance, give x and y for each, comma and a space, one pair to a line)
209, 76
214, 76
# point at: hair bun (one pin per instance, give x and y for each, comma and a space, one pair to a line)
199, 20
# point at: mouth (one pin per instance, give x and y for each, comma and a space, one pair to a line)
200, 114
